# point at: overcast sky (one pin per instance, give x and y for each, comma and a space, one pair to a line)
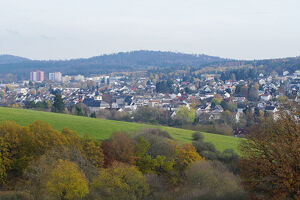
60, 29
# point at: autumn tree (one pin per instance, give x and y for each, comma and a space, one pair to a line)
161, 142
45, 137
67, 181
21, 145
17, 147
211, 180
36, 176
186, 154
270, 161
216, 100
152, 115
38, 171
120, 182
148, 165
93, 151
185, 115
118, 148
2, 172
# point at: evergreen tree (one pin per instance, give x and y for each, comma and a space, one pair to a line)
93, 115
58, 105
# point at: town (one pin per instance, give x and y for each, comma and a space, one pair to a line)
149, 100
212, 96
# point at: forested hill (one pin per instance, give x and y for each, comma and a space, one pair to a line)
9, 59
291, 64
137, 60
125, 61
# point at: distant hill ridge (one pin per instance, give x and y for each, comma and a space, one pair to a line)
123, 61
8, 59
134, 61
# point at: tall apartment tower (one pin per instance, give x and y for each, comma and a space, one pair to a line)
55, 76
37, 76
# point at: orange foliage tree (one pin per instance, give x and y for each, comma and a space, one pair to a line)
270, 165
118, 148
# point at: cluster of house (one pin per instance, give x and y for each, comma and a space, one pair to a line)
127, 94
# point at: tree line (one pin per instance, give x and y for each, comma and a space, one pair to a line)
38, 162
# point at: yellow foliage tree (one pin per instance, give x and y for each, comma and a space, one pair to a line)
121, 182
2, 171
185, 115
186, 154
67, 181
21, 145
93, 151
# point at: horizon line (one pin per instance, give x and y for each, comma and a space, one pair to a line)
149, 50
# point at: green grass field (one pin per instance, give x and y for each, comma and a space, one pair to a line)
102, 128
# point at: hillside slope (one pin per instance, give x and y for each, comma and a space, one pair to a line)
102, 129
137, 61
123, 61
10, 59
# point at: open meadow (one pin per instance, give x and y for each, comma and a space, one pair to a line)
102, 128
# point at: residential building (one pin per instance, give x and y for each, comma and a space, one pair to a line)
266, 97
37, 76
79, 78
55, 76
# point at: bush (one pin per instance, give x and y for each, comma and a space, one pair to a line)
158, 145
120, 182
222, 129
159, 187
204, 146
230, 159
14, 196
209, 152
156, 131
211, 180
198, 136
120, 148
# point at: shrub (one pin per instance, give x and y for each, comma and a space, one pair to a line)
198, 136
209, 152
204, 146
15, 196
159, 187
222, 129
211, 180
157, 132
120, 182
160, 144
118, 148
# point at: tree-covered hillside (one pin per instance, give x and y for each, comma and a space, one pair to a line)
139, 60
125, 61
10, 59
